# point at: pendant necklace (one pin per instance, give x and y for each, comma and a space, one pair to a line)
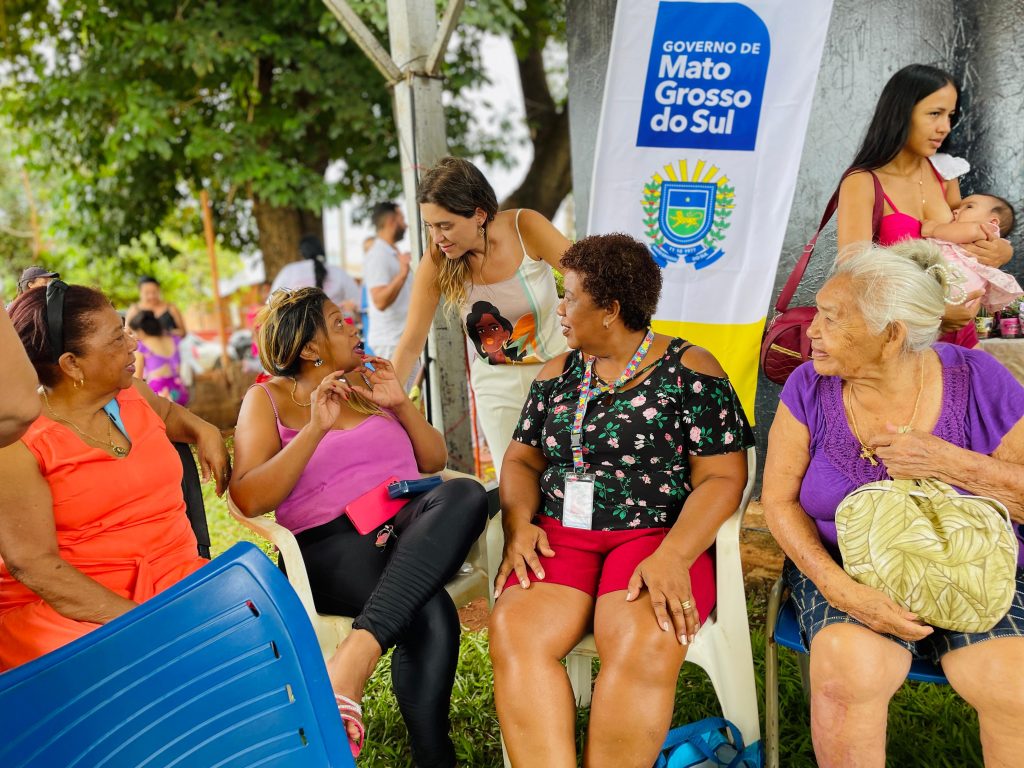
869, 453
118, 450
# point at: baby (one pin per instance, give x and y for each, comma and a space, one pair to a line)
978, 217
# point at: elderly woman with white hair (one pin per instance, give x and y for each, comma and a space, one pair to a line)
880, 399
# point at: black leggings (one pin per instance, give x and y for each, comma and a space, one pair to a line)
397, 594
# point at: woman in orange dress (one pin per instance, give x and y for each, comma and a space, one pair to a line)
92, 518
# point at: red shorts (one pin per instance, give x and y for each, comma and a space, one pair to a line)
598, 562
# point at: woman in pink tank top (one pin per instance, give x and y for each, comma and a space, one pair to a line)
318, 442
914, 115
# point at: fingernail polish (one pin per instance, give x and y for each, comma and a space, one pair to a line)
683, 640
664, 626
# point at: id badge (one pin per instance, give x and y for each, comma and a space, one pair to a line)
578, 504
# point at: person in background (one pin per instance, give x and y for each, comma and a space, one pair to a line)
158, 358
35, 277
478, 253
151, 298
386, 277
92, 516
312, 271
20, 405
915, 113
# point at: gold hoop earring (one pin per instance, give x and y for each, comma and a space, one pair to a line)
78, 383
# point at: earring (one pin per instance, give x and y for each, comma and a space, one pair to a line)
607, 322
480, 231
317, 363
78, 383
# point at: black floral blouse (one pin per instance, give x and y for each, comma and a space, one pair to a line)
637, 443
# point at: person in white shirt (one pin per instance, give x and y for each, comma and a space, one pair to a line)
386, 275
312, 271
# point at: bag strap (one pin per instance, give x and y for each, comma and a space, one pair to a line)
786, 295
699, 741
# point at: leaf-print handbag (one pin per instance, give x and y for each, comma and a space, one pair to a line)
949, 558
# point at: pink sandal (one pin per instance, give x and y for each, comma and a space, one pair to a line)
351, 712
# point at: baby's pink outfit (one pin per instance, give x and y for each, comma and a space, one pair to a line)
1000, 288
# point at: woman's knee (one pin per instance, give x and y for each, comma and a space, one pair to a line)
463, 503
641, 650
851, 664
987, 675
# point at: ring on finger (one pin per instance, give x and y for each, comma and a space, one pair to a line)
686, 605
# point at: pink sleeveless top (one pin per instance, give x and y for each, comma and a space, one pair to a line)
898, 226
346, 464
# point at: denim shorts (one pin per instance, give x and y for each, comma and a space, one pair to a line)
814, 613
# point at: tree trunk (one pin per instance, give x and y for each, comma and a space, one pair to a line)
549, 178
280, 229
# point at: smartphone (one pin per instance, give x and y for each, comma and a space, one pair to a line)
401, 489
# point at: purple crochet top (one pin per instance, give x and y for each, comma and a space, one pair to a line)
981, 402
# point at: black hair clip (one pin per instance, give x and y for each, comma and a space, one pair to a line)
55, 317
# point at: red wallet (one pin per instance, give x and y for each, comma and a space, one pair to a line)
374, 508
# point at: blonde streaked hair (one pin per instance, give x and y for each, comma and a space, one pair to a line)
288, 322
457, 186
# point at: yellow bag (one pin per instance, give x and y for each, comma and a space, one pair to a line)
951, 559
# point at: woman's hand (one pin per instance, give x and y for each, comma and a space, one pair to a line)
992, 253
383, 388
667, 579
911, 455
521, 547
878, 612
213, 457
325, 401
957, 316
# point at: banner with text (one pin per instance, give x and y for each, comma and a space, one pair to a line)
702, 126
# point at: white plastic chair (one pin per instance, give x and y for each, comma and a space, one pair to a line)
722, 645
469, 584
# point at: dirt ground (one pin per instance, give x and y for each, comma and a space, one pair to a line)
762, 562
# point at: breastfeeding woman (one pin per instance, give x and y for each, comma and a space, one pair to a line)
914, 115
480, 256
324, 431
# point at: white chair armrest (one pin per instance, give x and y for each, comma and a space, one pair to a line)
286, 544
731, 603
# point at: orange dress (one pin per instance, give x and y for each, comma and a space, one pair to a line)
119, 521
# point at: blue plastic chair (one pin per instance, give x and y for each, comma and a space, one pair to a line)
782, 628
223, 669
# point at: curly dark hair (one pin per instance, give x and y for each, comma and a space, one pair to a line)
617, 267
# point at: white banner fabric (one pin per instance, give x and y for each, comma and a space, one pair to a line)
703, 122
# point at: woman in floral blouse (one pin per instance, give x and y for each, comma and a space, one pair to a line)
628, 457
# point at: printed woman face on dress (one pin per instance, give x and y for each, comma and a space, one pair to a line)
452, 233
931, 121
581, 319
841, 342
492, 334
339, 348
108, 360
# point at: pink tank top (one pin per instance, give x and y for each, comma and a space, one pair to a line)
898, 226
346, 464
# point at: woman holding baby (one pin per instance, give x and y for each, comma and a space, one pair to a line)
913, 118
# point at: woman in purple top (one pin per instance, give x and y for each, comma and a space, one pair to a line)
308, 445
881, 400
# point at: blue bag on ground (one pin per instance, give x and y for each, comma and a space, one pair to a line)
704, 744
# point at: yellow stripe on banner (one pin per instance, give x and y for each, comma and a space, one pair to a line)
736, 346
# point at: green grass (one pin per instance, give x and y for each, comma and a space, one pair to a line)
929, 725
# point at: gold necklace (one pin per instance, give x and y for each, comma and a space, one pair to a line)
920, 185
295, 383
869, 453
118, 450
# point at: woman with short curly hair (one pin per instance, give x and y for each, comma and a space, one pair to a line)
628, 457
